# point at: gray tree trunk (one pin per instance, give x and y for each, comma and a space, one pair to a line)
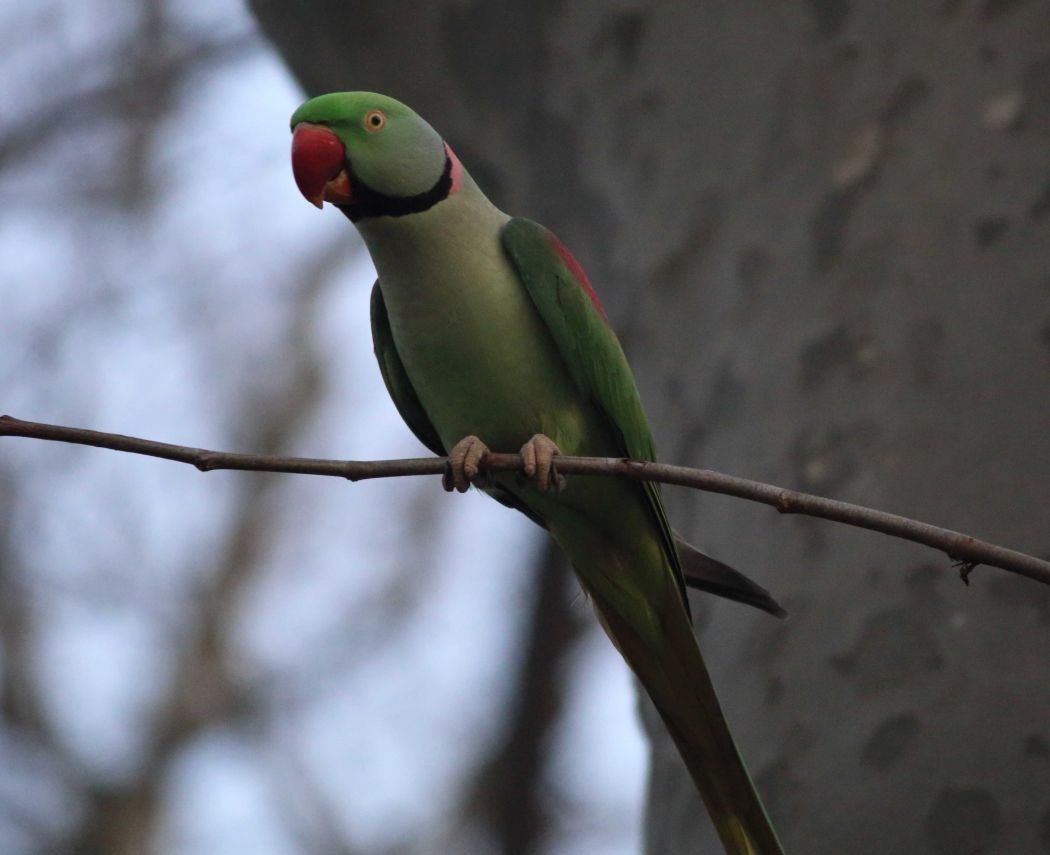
823, 232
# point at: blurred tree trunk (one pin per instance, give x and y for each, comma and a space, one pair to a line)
822, 230
506, 799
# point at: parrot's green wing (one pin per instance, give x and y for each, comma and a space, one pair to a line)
592, 353
397, 383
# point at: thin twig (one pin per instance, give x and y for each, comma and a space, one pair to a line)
966, 551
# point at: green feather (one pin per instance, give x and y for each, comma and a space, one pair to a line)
593, 355
396, 379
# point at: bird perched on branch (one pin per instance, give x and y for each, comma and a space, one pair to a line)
488, 334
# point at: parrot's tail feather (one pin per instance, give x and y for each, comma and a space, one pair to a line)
711, 575
677, 680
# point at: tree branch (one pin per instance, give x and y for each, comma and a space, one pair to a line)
966, 551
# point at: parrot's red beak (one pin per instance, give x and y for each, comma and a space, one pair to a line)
319, 165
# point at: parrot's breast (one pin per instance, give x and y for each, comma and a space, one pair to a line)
473, 345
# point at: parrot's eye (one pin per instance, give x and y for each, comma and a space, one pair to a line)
374, 120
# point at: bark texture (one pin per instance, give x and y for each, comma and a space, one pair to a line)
822, 230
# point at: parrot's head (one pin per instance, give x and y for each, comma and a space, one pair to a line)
370, 155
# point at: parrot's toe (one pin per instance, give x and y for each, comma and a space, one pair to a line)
464, 464
538, 463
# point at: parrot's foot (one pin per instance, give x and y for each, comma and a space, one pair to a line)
464, 464
538, 455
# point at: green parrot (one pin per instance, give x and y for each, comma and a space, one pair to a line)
488, 334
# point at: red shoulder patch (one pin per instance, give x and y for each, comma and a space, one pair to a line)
577, 272
457, 170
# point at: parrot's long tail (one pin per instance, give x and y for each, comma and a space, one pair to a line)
676, 678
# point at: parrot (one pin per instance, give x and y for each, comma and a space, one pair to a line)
488, 335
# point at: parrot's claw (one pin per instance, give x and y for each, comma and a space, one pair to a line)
464, 464
538, 463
